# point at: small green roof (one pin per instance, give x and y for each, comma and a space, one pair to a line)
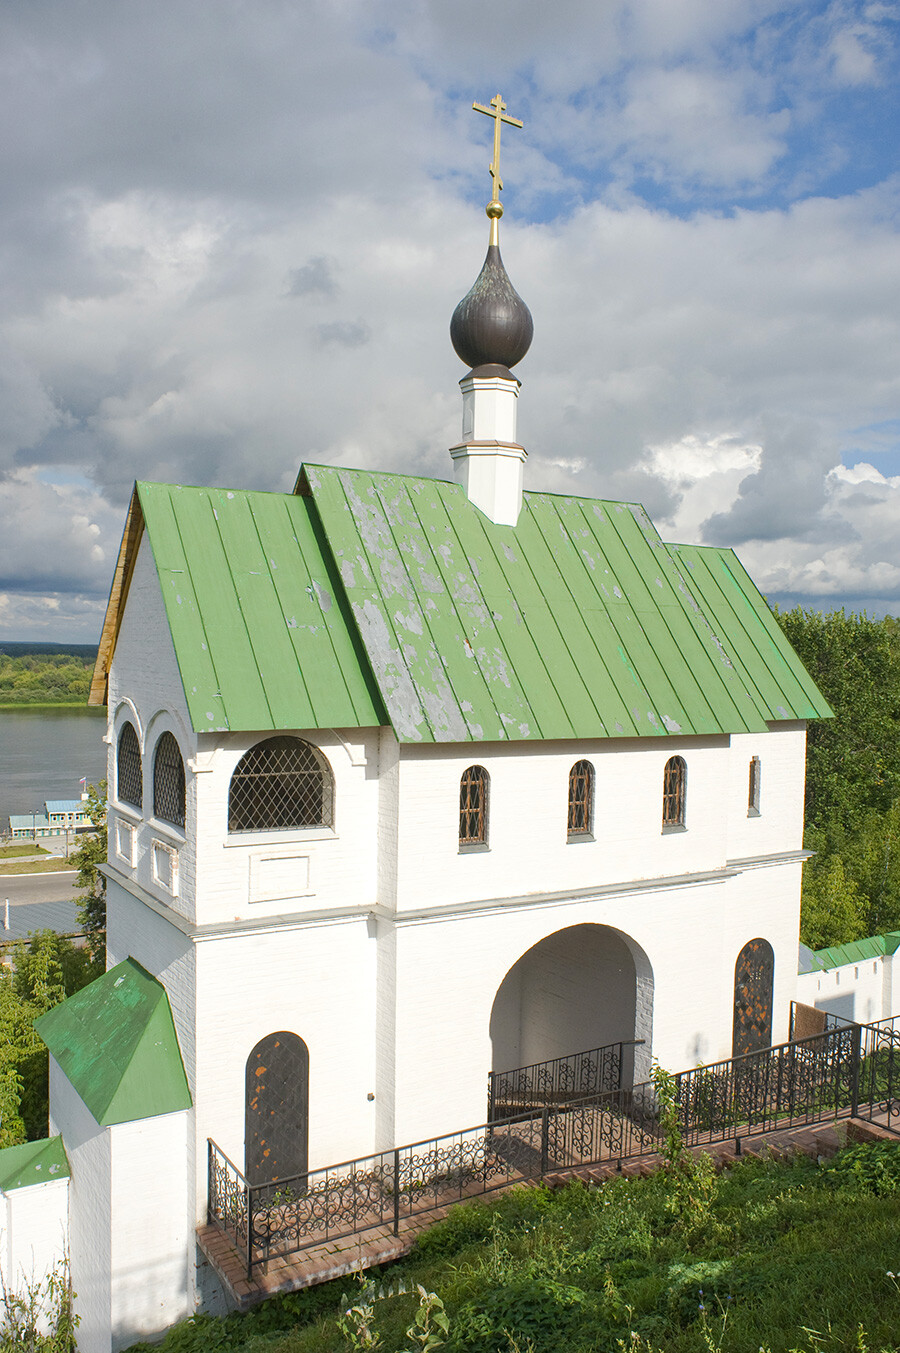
32, 1163
116, 1042
857, 951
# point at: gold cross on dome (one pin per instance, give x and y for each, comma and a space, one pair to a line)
497, 111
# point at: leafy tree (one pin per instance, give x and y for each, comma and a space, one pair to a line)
852, 887
91, 853
833, 909
45, 970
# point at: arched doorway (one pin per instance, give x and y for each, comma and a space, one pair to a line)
276, 1135
580, 988
754, 976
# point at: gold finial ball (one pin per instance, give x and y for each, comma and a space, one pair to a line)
494, 210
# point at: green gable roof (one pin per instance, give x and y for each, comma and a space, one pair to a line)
116, 1042
32, 1163
260, 627
367, 599
577, 622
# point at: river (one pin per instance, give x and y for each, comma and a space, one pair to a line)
44, 753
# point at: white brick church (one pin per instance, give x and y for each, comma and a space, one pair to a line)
409, 780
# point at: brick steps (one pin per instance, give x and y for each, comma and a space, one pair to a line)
337, 1258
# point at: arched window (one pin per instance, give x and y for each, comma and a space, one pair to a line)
473, 806
581, 799
129, 780
168, 781
281, 784
674, 787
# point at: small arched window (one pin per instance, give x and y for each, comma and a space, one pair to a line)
129, 780
168, 781
473, 806
674, 787
280, 784
581, 799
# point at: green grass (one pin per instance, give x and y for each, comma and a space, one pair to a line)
35, 864
773, 1256
19, 849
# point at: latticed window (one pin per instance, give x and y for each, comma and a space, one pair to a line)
473, 806
581, 799
129, 780
168, 781
674, 785
753, 795
280, 784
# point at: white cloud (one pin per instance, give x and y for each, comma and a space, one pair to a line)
234, 239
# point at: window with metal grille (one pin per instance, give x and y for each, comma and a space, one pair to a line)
473, 806
581, 799
280, 784
674, 785
168, 781
753, 795
129, 779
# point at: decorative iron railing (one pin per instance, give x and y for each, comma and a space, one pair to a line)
528, 1089
854, 1068
879, 1071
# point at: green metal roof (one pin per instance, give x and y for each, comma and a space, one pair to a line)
260, 627
577, 622
857, 951
367, 599
116, 1042
32, 1163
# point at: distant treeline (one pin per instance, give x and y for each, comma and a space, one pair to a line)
18, 649
46, 678
851, 888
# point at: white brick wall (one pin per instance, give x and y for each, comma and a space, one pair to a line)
855, 991
131, 1246
34, 1237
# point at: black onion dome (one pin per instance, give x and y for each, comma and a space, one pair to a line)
492, 324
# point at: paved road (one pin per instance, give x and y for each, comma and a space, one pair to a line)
37, 902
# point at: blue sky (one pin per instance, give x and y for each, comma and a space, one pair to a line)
234, 236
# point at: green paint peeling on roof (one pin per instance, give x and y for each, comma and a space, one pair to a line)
370, 598
116, 1042
858, 951
577, 622
32, 1163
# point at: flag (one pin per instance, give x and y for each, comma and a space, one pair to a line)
82, 781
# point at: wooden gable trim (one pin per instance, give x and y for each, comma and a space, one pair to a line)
118, 594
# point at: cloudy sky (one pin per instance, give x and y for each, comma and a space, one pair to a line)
232, 235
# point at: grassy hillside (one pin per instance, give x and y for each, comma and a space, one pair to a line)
781, 1257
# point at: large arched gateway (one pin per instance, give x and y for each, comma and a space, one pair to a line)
581, 988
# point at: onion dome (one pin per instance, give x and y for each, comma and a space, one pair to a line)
492, 325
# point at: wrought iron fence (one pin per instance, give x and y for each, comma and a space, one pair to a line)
557, 1081
854, 1068
879, 1071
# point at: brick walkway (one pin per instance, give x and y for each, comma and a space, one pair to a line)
336, 1258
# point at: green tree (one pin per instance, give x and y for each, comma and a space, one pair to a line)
834, 911
45, 970
91, 853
